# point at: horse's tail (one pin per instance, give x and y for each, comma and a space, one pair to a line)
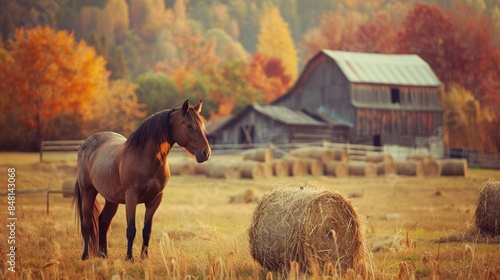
78, 204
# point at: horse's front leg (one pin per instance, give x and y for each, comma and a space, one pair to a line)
130, 205
148, 223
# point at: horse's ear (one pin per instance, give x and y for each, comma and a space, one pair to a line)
197, 108
185, 107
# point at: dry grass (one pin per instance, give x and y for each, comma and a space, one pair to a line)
198, 234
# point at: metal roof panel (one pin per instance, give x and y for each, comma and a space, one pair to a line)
396, 69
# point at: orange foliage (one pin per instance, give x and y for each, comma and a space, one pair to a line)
268, 75
48, 74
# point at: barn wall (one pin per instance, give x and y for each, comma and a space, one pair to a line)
323, 85
265, 130
380, 95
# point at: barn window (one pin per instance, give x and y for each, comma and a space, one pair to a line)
395, 95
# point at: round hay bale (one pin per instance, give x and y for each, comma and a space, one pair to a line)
314, 228
379, 157
340, 155
280, 168
431, 167
248, 196
418, 157
367, 169
267, 169
296, 166
251, 170
409, 168
68, 187
223, 170
314, 166
261, 154
386, 168
183, 167
454, 167
337, 169
488, 209
321, 153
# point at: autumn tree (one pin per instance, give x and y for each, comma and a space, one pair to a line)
428, 33
118, 109
275, 40
49, 74
268, 75
466, 122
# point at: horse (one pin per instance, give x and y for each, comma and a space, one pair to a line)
132, 171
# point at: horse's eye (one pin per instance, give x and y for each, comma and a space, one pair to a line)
190, 126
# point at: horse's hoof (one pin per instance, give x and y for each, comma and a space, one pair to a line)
129, 259
102, 255
85, 257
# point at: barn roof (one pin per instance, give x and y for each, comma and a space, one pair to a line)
277, 113
286, 115
393, 69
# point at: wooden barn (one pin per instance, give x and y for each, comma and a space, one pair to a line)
385, 99
274, 124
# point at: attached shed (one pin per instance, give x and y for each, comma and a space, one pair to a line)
274, 124
385, 98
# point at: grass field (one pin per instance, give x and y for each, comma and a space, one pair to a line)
197, 234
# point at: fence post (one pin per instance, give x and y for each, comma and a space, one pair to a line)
41, 150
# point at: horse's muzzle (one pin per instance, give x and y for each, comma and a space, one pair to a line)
202, 156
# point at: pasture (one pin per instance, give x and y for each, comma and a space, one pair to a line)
198, 234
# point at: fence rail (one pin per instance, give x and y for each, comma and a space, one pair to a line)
355, 151
58, 147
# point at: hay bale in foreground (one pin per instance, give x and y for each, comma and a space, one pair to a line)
280, 168
431, 167
488, 209
379, 157
321, 153
183, 167
314, 166
368, 169
386, 168
261, 154
409, 168
296, 166
337, 169
68, 187
312, 227
251, 170
454, 167
222, 170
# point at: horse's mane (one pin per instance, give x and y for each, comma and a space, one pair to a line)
157, 128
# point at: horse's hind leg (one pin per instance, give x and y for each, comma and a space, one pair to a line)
148, 223
107, 214
88, 228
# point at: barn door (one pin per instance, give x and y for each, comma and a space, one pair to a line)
247, 134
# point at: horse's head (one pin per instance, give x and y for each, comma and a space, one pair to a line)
189, 131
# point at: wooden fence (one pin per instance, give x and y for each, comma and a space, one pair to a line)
68, 150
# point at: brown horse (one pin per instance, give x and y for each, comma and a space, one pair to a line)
132, 171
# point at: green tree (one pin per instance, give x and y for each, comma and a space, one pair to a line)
157, 91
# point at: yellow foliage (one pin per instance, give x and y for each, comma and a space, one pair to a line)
465, 121
275, 40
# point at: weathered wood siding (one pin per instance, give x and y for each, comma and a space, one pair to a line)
322, 85
409, 97
265, 130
